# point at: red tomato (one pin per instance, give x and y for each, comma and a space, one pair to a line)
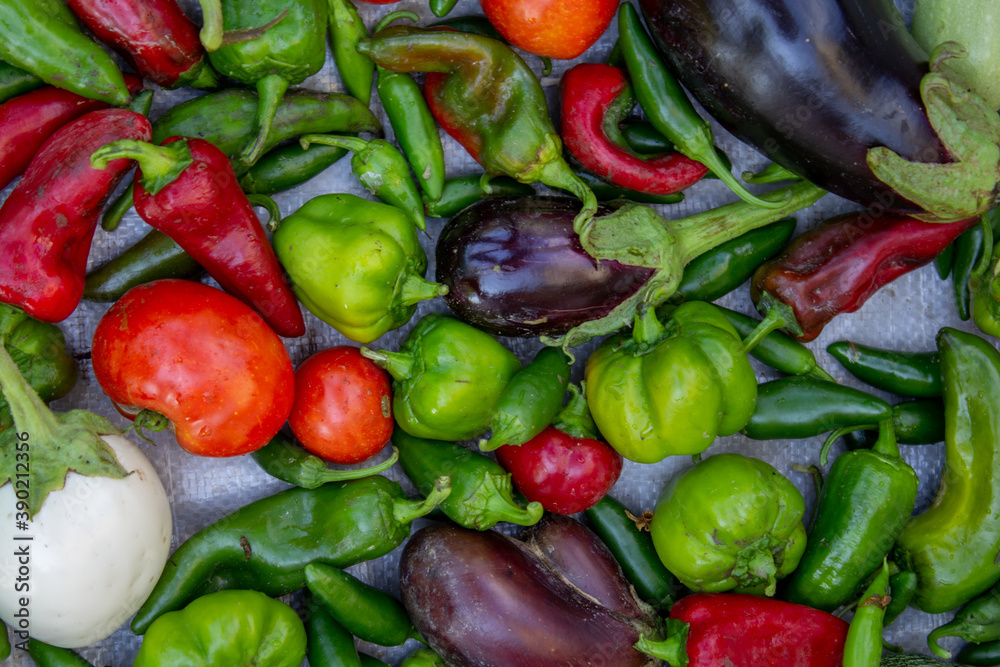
565, 474
342, 411
555, 28
201, 358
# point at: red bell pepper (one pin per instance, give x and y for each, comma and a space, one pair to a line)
48, 221
26, 121
187, 189
155, 36
836, 266
712, 629
595, 98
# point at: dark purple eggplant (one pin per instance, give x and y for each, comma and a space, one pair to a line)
515, 267
483, 599
816, 84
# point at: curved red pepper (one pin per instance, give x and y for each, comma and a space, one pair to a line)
187, 189
48, 221
594, 98
155, 36
836, 266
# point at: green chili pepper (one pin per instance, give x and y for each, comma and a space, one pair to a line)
605, 191
777, 349
46, 655
902, 587
722, 269
447, 378
152, 257
346, 29
44, 38
629, 541
328, 643
461, 191
978, 622
283, 459
866, 499
532, 398
984, 283
944, 261
278, 44
286, 167
969, 248
916, 422
952, 546
863, 647
482, 491
915, 374
667, 106
382, 169
266, 545
799, 406
987, 653
423, 657
642, 137
4, 641
369, 661
230, 627
356, 264
364, 611
442, 7
15, 81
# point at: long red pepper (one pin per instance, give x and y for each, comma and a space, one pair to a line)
594, 99
26, 121
836, 266
48, 221
155, 36
186, 188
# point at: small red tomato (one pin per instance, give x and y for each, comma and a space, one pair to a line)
201, 358
342, 410
565, 474
560, 29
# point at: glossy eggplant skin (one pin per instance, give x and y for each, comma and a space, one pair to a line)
812, 84
514, 267
482, 599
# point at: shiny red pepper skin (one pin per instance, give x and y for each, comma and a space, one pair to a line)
48, 221
750, 631
594, 98
155, 36
836, 266
206, 213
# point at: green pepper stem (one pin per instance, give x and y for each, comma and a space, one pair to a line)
501, 507
775, 319
405, 511
212, 27
160, 165
575, 419
398, 364
824, 452
673, 648
701, 147
647, 329
353, 144
269, 205
557, 174
270, 90
393, 16
416, 289
315, 476
886, 443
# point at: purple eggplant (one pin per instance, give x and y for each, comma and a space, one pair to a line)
515, 267
483, 599
823, 87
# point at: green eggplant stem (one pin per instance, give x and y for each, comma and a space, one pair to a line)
406, 511
30, 413
160, 165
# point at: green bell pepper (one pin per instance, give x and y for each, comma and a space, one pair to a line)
671, 388
729, 523
226, 629
447, 378
356, 264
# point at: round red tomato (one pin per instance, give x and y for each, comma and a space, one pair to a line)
565, 474
201, 358
555, 28
342, 411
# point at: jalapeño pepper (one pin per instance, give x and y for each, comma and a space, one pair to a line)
916, 374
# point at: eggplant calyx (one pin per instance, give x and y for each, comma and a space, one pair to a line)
970, 131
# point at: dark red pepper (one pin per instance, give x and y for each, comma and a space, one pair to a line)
26, 121
155, 36
595, 98
187, 189
48, 221
712, 629
836, 266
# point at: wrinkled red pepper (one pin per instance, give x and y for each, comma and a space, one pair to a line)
48, 221
187, 189
836, 266
155, 36
713, 629
595, 98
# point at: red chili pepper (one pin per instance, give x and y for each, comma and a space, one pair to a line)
26, 121
834, 267
155, 36
186, 188
595, 98
48, 221
712, 629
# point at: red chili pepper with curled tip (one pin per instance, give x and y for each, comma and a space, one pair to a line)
187, 189
48, 221
155, 36
595, 98
836, 266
